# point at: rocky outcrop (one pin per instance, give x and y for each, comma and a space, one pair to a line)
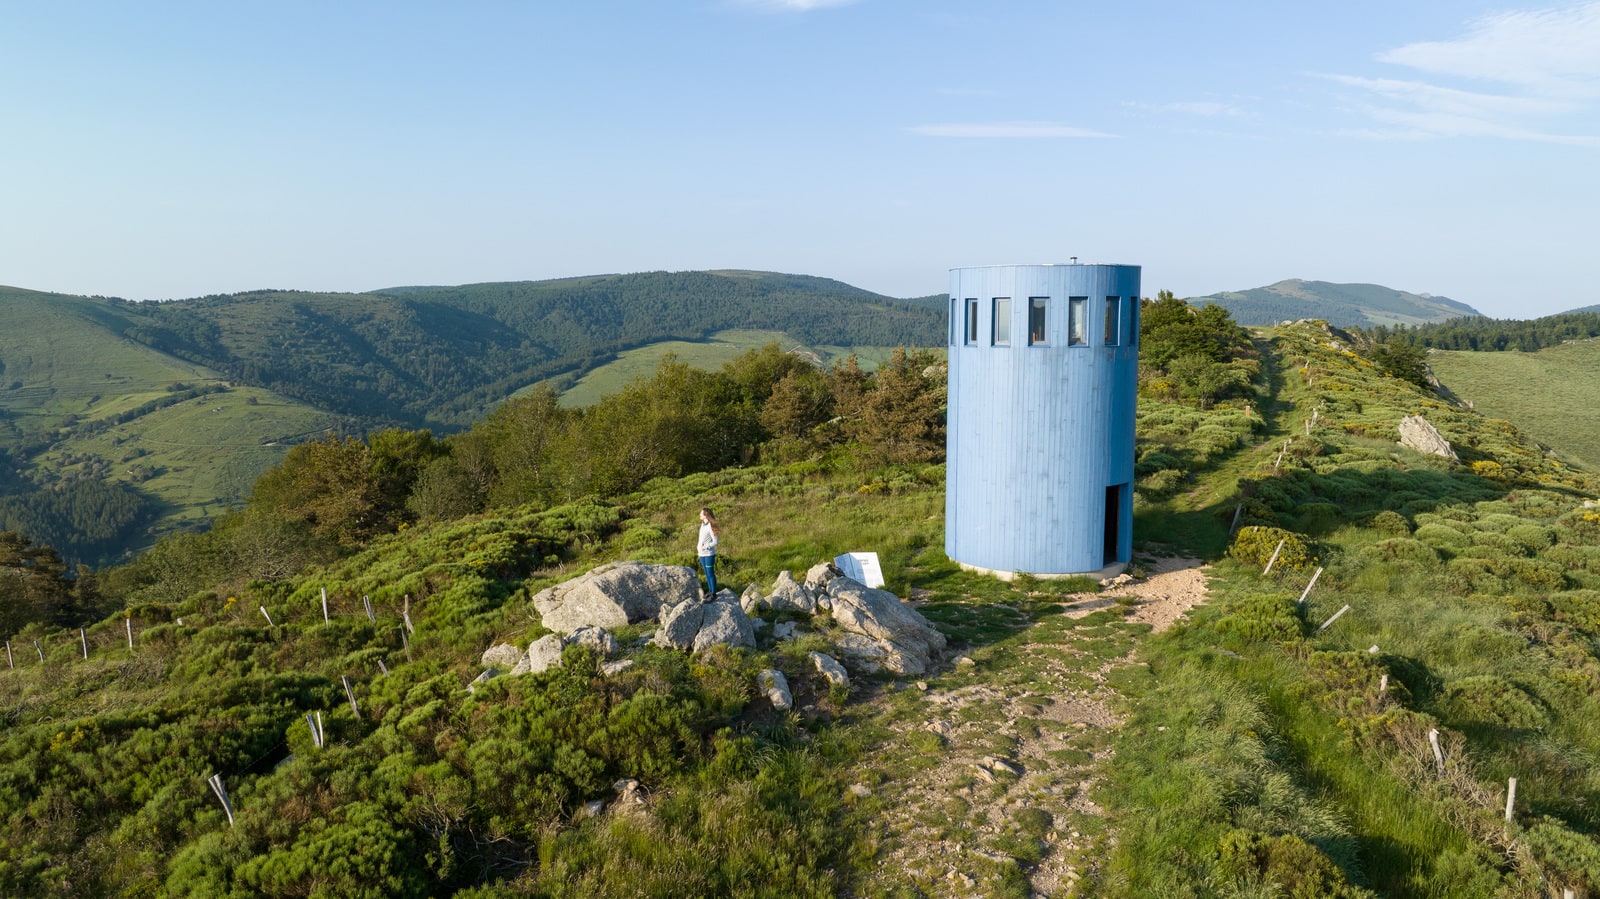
818, 578
788, 596
693, 625
906, 642
1418, 434
615, 595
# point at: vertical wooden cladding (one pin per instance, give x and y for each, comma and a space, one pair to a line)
1040, 430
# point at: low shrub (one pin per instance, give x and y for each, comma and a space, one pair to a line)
1488, 699
1392, 523
1255, 544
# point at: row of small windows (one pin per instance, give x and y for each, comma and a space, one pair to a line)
1121, 321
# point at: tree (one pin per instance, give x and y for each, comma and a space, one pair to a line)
903, 415
1401, 359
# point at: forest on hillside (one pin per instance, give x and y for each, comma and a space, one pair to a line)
1482, 334
440, 356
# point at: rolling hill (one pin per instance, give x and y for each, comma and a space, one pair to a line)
1549, 394
123, 421
1341, 305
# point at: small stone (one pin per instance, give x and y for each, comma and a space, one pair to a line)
483, 678
776, 686
922, 685
616, 667
860, 790
501, 655
965, 662
593, 807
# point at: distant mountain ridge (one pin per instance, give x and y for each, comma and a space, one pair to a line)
441, 357
1342, 305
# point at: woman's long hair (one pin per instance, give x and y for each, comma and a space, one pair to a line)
705, 512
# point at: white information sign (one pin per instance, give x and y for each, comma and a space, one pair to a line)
861, 567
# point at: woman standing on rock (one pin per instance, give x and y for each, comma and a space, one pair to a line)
707, 549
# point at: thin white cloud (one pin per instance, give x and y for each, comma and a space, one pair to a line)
1544, 62
791, 5
1554, 50
1007, 130
1452, 101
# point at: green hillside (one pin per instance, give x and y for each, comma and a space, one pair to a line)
142, 417
1550, 393
441, 357
112, 443
1341, 305
1275, 741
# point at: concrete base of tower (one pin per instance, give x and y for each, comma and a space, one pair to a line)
1110, 571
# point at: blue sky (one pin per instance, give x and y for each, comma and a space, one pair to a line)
161, 150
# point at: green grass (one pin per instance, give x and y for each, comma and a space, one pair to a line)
1549, 393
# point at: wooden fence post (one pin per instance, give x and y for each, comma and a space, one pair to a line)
384, 668
1274, 560
1237, 511
269, 617
129, 623
85, 641
1314, 575
216, 787
1511, 796
1438, 754
39, 651
405, 613
1334, 618
350, 692
1383, 684
367, 601
325, 618
9, 662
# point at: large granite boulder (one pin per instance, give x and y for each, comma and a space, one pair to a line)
1419, 434
788, 596
909, 643
614, 595
694, 625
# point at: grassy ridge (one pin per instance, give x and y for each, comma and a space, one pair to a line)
1549, 393
1261, 748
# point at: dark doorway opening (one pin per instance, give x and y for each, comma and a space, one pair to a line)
1113, 522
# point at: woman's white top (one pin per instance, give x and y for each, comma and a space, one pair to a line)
708, 539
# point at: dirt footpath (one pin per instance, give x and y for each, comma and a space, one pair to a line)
985, 785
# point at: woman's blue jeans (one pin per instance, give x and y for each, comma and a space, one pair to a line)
709, 565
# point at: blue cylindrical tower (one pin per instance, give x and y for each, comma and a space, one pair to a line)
1044, 363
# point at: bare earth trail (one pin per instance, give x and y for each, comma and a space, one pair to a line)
984, 787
